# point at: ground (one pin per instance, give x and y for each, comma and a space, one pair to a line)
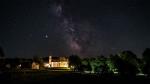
67, 77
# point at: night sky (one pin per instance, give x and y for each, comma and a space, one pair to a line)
64, 27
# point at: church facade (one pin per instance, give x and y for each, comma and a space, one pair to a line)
56, 62
53, 62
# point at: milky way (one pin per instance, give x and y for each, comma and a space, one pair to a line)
91, 28
77, 35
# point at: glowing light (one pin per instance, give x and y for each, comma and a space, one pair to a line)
115, 72
72, 67
141, 74
35, 65
46, 65
46, 36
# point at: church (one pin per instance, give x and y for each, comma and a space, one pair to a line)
53, 62
58, 62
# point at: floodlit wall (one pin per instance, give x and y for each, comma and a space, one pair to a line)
35, 65
59, 64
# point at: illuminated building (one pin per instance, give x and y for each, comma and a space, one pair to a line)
57, 62
35, 65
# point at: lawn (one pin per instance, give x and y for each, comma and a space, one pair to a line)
43, 76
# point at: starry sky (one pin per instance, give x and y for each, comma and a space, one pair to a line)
87, 28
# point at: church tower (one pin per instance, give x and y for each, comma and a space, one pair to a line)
50, 60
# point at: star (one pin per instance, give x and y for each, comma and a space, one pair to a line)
46, 36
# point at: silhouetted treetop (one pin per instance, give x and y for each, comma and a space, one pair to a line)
1, 52
146, 55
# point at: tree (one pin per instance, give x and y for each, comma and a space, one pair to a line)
141, 65
128, 62
146, 55
98, 65
1, 52
128, 55
85, 66
146, 58
117, 61
111, 65
74, 60
2, 61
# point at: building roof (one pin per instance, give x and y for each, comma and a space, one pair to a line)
55, 59
58, 59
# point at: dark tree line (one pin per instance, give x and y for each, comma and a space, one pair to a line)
125, 63
146, 58
1, 52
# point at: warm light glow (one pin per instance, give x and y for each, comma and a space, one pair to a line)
59, 64
35, 65
46, 65
63, 62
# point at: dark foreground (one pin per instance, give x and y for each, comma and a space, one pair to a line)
67, 77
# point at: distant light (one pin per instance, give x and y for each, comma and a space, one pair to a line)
72, 67
141, 74
115, 72
47, 65
19, 65
46, 36
87, 71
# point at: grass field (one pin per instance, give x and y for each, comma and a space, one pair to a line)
59, 77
